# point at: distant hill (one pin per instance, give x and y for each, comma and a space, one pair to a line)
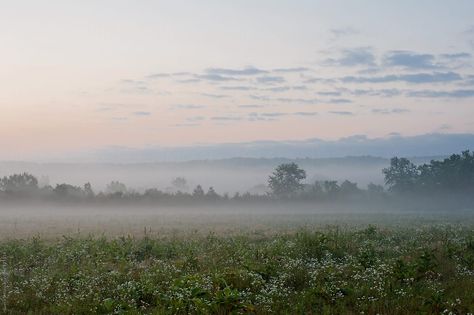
436, 144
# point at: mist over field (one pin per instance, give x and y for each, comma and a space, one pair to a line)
231, 175
433, 191
227, 175
52, 221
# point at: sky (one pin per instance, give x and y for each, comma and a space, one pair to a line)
88, 75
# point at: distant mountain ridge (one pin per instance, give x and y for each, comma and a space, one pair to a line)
414, 146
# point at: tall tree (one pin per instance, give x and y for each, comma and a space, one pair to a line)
401, 176
286, 180
455, 173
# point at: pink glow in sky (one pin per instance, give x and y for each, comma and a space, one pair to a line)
79, 75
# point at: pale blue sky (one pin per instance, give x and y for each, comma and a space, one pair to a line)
86, 74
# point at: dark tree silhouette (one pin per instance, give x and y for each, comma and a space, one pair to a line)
374, 189
285, 181
331, 188
349, 188
19, 183
88, 190
401, 176
69, 191
317, 189
455, 173
198, 192
211, 194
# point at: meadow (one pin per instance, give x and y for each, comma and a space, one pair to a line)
216, 261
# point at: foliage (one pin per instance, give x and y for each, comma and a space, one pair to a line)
69, 191
401, 175
332, 271
286, 180
198, 192
453, 174
19, 183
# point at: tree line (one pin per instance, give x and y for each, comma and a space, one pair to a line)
453, 174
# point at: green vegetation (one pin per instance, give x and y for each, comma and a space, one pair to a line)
285, 182
453, 174
330, 271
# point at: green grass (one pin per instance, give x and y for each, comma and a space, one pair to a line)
330, 271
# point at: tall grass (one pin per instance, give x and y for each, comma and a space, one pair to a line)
332, 271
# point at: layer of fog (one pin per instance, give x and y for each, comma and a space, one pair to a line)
230, 175
54, 221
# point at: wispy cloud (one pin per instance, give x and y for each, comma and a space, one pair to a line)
141, 113
442, 94
187, 106
215, 95
131, 81
158, 75
235, 72
409, 60
182, 73
270, 79
408, 78
195, 118
456, 56
237, 88
361, 56
277, 89
329, 93
469, 80
338, 101
319, 80
298, 100
271, 116
215, 77
291, 70
187, 81
469, 32
342, 113
226, 118
251, 106
374, 92
388, 111
444, 127
305, 113
343, 32
259, 97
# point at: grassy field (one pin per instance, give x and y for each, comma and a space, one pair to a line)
330, 270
